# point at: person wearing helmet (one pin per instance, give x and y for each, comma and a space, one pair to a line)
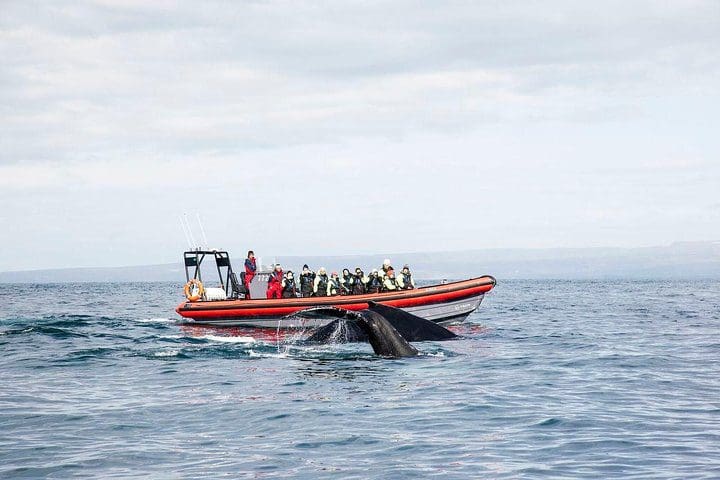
274, 288
346, 282
333, 287
374, 283
359, 281
390, 283
307, 279
385, 267
320, 284
289, 287
405, 279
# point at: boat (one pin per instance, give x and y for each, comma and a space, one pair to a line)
226, 305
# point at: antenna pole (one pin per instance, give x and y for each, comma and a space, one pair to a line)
192, 238
202, 231
187, 237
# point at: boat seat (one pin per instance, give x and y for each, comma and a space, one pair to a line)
238, 288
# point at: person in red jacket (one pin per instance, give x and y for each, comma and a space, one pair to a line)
274, 288
250, 268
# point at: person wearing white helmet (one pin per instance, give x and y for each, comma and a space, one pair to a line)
320, 285
385, 267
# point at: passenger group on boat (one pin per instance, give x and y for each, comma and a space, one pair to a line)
289, 293
310, 284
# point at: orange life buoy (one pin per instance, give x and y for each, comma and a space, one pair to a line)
194, 294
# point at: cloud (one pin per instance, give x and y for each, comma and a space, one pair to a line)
85, 80
495, 124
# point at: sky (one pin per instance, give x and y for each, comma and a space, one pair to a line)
312, 128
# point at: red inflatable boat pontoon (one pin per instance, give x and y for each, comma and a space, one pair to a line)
445, 303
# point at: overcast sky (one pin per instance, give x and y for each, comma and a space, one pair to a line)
354, 127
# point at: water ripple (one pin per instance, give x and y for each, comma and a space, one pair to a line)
548, 379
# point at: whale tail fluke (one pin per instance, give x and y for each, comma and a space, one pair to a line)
385, 340
340, 330
388, 330
411, 327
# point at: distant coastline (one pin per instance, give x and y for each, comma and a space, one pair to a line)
681, 260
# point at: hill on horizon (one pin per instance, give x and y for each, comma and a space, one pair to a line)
682, 260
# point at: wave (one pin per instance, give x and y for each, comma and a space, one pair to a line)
254, 354
45, 330
155, 320
219, 338
167, 353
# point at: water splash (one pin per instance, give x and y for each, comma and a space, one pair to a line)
218, 338
340, 334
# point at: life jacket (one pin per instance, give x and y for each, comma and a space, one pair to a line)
358, 287
393, 282
306, 281
250, 265
374, 282
322, 285
334, 284
290, 285
347, 282
275, 277
407, 281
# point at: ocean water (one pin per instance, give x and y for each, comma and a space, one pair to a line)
550, 379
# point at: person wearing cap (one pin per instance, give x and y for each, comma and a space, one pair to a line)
390, 283
374, 283
307, 279
274, 288
250, 268
359, 281
320, 284
385, 267
333, 287
346, 282
405, 279
289, 287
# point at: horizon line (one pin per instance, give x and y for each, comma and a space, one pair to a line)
388, 254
